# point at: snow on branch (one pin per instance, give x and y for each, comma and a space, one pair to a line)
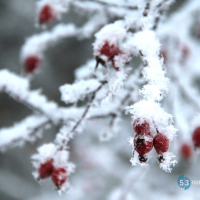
152, 93
78, 91
19, 89
36, 44
28, 130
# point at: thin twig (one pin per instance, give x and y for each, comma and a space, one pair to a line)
88, 106
146, 10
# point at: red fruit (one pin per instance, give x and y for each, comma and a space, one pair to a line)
59, 176
108, 50
46, 169
31, 64
196, 137
141, 128
186, 151
46, 14
143, 142
161, 143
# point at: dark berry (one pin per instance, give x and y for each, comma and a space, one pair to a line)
46, 14
45, 170
59, 176
186, 151
31, 64
196, 137
161, 143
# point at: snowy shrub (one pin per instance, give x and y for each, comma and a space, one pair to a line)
153, 95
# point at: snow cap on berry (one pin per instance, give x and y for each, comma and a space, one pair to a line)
141, 125
60, 159
155, 115
110, 37
45, 153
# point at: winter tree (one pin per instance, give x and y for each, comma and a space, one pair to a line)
134, 127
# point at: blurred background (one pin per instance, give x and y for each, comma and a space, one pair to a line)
17, 22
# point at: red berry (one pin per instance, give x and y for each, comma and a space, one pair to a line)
161, 143
46, 14
196, 137
108, 50
186, 151
143, 142
141, 128
31, 64
59, 176
46, 169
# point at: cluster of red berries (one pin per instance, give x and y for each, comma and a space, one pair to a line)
109, 50
46, 14
144, 141
58, 175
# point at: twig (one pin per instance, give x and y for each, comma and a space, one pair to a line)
160, 12
146, 10
88, 106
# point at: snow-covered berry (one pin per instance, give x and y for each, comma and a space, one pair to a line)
31, 63
186, 151
161, 143
143, 142
45, 170
196, 138
108, 50
141, 127
46, 14
59, 176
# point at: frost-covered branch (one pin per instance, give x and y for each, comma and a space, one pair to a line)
28, 130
